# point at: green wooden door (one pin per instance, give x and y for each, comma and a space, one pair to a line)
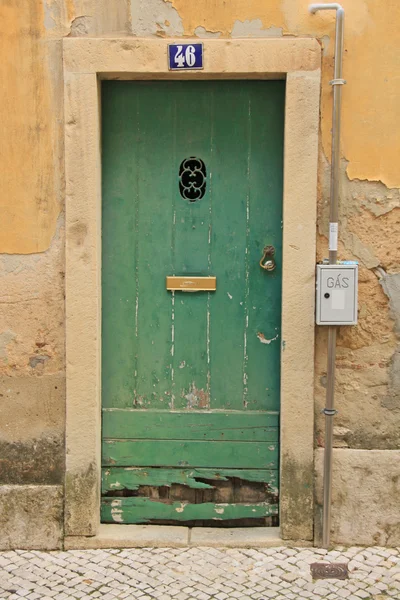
192, 186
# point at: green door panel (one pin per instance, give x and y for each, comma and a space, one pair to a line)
191, 379
252, 426
183, 453
144, 510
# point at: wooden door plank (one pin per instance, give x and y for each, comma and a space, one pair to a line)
155, 189
119, 196
190, 425
229, 188
171, 453
131, 478
265, 228
143, 510
191, 251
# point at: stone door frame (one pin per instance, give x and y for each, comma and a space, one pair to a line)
86, 62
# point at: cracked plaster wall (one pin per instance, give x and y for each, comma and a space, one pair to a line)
32, 202
32, 365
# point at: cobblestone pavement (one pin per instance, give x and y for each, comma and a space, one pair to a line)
197, 573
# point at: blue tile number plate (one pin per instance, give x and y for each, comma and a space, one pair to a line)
185, 56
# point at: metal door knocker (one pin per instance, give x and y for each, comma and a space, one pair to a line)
267, 261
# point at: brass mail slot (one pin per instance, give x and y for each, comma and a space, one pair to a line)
192, 284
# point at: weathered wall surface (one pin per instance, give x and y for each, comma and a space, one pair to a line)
32, 395
366, 487
31, 517
32, 373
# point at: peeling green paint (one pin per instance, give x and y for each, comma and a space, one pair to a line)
143, 510
132, 478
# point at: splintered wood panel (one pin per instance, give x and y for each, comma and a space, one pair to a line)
190, 425
175, 453
144, 510
131, 478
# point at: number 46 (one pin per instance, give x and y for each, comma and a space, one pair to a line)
189, 57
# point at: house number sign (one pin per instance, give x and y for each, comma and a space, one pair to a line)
185, 56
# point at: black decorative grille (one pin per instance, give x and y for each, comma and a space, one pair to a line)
192, 179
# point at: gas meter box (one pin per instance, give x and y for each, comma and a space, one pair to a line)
337, 290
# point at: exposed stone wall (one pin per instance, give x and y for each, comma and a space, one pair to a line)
368, 392
31, 517
366, 487
32, 364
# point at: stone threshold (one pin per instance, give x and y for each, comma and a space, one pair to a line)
158, 536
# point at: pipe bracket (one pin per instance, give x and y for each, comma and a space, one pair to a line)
329, 412
338, 82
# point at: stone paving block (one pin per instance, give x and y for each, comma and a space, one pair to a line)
362, 594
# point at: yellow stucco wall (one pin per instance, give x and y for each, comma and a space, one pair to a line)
31, 185
371, 104
29, 204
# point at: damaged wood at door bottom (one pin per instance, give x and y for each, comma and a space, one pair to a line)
194, 497
131, 478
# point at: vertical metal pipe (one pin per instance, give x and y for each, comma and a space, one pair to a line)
329, 410
335, 152
329, 414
